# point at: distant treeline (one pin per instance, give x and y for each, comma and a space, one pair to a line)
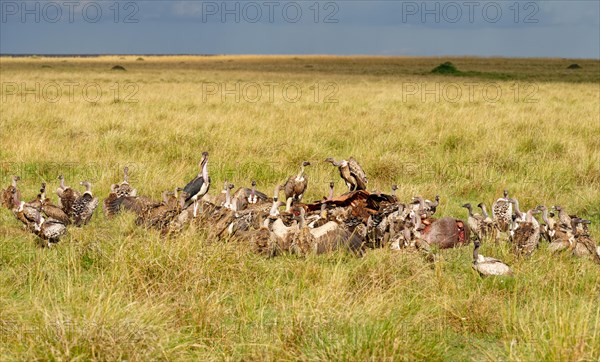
102, 55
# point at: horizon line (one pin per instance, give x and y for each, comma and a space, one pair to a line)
89, 55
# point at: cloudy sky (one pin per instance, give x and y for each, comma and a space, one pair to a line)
569, 29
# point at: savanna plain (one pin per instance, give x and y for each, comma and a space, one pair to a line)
114, 291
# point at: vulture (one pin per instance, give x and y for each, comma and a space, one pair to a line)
425, 208
487, 266
244, 197
584, 245
51, 227
563, 217
475, 222
256, 196
53, 212
526, 235
121, 195
139, 205
109, 205
488, 224
198, 187
548, 230
519, 216
563, 238
351, 172
9, 193
265, 242
502, 213
224, 198
326, 238
51, 230
159, 216
67, 197
274, 210
295, 186
124, 188
432, 205
84, 206
27, 213
303, 241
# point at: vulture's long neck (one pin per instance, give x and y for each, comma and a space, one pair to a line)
517, 209
470, 211
301, 173
484, 211
475, 253
274, 208
227, 196
302, 220
545, 216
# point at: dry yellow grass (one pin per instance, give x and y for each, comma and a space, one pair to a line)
111, 290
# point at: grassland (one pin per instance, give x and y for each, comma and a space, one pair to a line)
114, 291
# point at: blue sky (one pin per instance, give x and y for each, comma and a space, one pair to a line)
567, 29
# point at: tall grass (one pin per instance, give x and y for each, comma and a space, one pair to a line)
113, 291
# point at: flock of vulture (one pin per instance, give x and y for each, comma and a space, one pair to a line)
354, 221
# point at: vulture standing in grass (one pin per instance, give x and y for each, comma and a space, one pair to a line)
548, 230
488, 266
67, 196
475, 222
526, 236
124, 188
351, 172
84, 206
53, 225
37, 202
323, 239
295, 186
488, 223
255, 196
54, 212
274, 211
564, 219
244, 197
113, 204
123, 196
224, 198
8, 193
108, 205
563, 238
281, 230
161, 215
584, 245
51, 230
502, 214
27, 213
198, 187
519, 216
265, 242
303, 241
